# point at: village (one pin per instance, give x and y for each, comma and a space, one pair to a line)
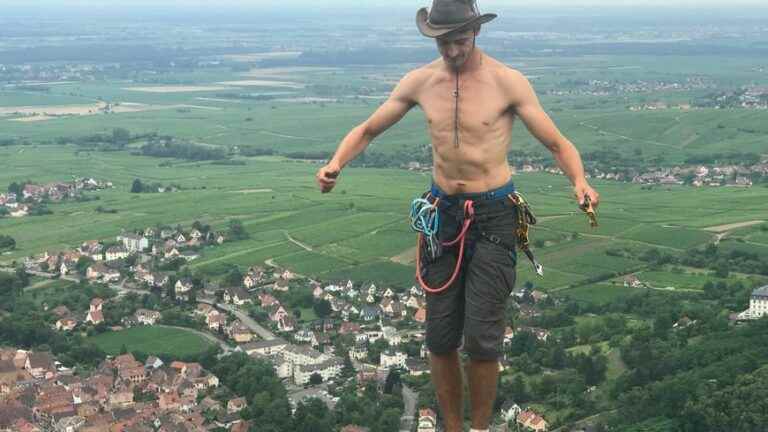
366, 332
27, 199
692, 175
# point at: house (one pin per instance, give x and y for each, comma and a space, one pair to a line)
215, 320
116, 252
510, 410
370, 313
267, 300
389, 293
251, 280
96, 305
393, 308
390, 358
391, 335
134, 242
100, 271
94, 317
93, 249
147, 317
153, 363
307, 336
427, 421
40, 365
317, 292
278, 312
530, 420
349, 328
416, 367
286, 323
66, 324
632, 281
240, 333
414, 302
236, 405
281, 285
237, 296
67, 267
541, 334
203, 309
358, 352
420, 315
183, 287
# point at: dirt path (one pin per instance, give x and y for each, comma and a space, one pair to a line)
296, 242
728, 227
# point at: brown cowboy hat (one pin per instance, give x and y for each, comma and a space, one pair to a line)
447, 16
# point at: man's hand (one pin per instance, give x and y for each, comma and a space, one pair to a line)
326, 177
584, 189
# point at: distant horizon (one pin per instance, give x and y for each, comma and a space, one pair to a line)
311, 5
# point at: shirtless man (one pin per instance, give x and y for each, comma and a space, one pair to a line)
470, 102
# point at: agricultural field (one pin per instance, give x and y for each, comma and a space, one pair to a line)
360, 231
154, 340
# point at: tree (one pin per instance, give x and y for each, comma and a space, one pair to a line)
348, 370
137, 186
312, 415
16, 188
393, 382
234, 278
120, 137
7, 242
518, 390
236, 230
4, 211
315, 379
82, 265
322, 308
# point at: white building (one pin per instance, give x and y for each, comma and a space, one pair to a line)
133, 242
393, 359
758, 303
327, 370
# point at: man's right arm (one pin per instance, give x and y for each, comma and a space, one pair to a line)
402, 99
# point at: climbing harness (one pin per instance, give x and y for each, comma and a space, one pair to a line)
425, 220
590, 211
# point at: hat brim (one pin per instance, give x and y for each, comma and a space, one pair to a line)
429, 30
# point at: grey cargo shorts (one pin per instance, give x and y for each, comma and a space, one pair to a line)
474, 305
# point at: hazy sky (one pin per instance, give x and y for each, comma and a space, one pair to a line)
484, 4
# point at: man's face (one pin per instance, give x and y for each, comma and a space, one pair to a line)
456, 48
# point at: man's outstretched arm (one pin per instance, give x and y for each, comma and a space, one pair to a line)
390, 112
527, 106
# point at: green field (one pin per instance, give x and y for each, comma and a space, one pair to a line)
352, 232
154, 340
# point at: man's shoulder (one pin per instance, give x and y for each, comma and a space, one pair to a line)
422, 73
503, 71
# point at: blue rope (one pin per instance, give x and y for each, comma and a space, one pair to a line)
424, 217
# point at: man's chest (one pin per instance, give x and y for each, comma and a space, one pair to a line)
477, 104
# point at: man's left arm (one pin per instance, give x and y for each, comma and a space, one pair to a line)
526, 105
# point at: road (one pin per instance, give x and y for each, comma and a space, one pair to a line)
410, 398
248, 321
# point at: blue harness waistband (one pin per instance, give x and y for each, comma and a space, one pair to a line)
491, 195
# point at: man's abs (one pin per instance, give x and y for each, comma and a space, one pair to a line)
469, 155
